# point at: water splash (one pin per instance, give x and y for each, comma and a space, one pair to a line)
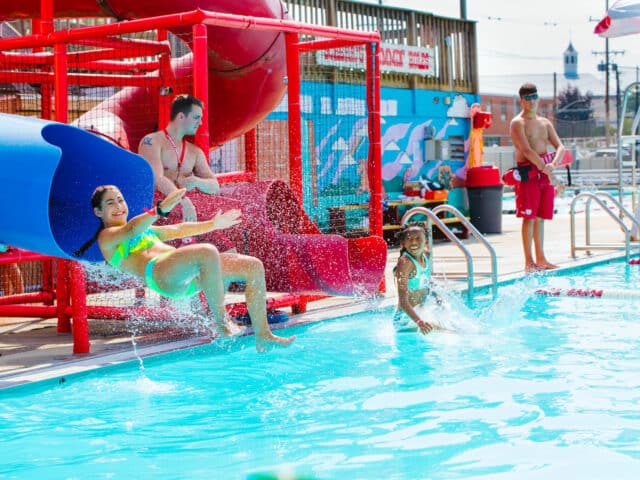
504, 310
134, 344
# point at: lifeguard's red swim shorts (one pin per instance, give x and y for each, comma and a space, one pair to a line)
534, 198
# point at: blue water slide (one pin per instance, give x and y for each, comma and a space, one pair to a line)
48, 171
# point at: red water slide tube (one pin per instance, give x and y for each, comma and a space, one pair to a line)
239, 62
297, 257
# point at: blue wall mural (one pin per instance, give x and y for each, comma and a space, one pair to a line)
335, 141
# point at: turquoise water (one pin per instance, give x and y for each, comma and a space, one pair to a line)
548, 388
563, 203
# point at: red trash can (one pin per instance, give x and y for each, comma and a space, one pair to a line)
484, 189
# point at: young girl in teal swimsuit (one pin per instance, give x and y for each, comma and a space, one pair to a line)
413, 278
137, 246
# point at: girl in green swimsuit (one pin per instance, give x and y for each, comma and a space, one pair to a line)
137, 246
413, 278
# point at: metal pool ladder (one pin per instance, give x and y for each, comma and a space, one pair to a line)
623, 212
432, 219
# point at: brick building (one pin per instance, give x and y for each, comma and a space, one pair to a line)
499, 95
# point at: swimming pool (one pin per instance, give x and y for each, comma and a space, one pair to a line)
563, 202
548, 389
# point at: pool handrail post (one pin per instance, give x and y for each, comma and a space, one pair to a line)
478, 236
588, 245
451, 236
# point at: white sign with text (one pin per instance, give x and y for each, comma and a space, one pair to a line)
393, 58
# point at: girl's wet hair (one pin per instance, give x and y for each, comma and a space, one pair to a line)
96, 202
407, 227
404, 231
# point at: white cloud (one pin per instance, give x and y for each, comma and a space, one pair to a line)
347, 159
460, 108
340, 144
392, 146
405, 159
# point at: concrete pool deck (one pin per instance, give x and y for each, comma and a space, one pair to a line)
31, 350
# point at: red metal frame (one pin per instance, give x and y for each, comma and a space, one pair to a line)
375, 155
201, 83
45, 26
166, 73
65, 298
251, 154
295, 127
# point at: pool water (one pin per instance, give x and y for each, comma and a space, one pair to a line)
544, 387
563, 202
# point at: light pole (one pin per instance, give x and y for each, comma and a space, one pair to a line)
614, 67
606, 91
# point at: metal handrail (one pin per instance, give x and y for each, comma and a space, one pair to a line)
481, 238
603, 246
624, 212
630, 97
434, 220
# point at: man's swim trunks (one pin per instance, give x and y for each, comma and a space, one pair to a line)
534, 197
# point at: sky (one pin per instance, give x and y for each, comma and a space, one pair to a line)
516, 36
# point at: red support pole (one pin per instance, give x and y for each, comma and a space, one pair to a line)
11, 60
9, 301
374, 169
38, 311
114, 66
123, 46
109, 50
46, 17
79, 311
62, 297
235, 177
167, 89
201, 84
83, 79
251, 153
61, 82
294, 115
44, 26
47, 279
315, 45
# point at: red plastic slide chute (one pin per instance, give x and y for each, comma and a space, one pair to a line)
296, 255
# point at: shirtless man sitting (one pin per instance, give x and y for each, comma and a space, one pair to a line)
531, 135
177, 163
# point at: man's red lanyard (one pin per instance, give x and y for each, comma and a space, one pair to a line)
180, 157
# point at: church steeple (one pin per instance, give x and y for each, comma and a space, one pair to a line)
571, 62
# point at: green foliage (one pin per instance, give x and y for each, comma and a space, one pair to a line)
574, 106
